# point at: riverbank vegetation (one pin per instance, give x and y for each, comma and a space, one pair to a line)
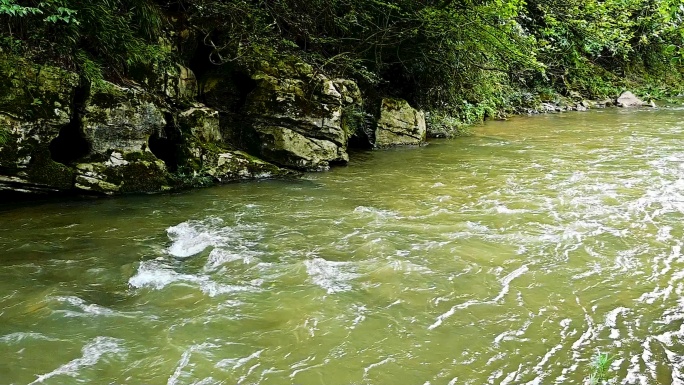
460, 60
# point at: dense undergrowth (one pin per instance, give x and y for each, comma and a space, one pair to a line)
461, 60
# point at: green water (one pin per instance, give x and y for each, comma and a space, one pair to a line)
509, 257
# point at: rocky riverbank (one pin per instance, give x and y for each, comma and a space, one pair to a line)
60, 134
173, 131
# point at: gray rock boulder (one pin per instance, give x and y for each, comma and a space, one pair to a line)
549, 107
123, 173
288, 147
628, 100
173, 81
300, 119
399, 124
205, 157
201, 124
179, 82
118, 124
122, 119
226, 166
36, 104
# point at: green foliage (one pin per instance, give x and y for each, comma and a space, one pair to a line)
459, 59
56, 12
447, 126
90, 69
4, 136
353, 119
100, 38
431, 53
9, 7
600, 367
586, 44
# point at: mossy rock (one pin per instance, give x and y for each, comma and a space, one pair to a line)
399, 124
227, 166
200, 123
34, 92
121, 119
289, 148
44, 171
123, 174
36, 103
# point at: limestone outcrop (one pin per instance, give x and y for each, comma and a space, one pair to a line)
298, 117
61, 133
399, 124
205, 157
37, 103
120, 118
117, 124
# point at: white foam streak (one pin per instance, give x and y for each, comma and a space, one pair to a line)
185, 361
154, 275
506, 281
86, 308
331, 275
16, 338
236, 363
378, 214
376, 364
193, 237
91, 355
505, 287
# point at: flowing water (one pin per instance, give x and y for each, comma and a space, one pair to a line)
508, 257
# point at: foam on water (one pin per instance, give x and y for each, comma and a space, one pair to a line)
332, 276
155, 275
236, 363
220, 257
91, 355
194, 236
505, 287
378, 214
85, 308
184, 362
17, 338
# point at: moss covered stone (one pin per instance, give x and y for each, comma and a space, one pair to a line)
235, 165
295, 150
36, 103
34, 92
200, 123
296, 116
399, 124
122, 173
122, 119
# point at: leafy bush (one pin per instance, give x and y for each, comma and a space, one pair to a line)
99, 37
467, 60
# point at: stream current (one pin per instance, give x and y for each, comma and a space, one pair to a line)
508, 257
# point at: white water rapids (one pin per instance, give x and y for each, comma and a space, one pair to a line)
509, 257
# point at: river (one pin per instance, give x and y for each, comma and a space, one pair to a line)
511, 256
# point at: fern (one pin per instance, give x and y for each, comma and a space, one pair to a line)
4, 136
